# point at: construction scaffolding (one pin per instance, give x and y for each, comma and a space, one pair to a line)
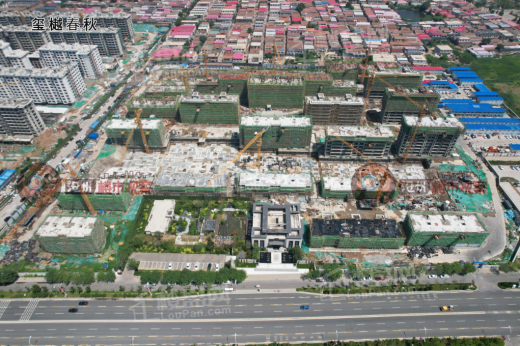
434, 137
377, 233
372, 141
74, 235
281, 90
209, 109
118, 130
283, 132
444, 229
395, 104
164, 91
161, 108
106, 202
407, 80
344, 71
230, 83
190, 184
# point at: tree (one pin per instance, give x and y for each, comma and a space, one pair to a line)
297, 253
504, 268
469, 268
158, 235
121, 288
439, 269
178, 21
35, 289
300, 7
269, 55
501, 13
211, 24
486, 41
132, 264
500, 46
72, 289
424, 6
87, 289
79, 289
249, 30
456, 268
8, 276
202, 39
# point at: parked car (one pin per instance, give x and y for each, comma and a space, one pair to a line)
170, 265
432, 276
444, 276
368, 278
196, 266
216, 267
380, 278
501, 168
188, 265
411, 277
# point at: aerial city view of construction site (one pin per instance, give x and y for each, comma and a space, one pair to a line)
227, 172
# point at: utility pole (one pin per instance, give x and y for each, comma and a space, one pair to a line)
132, 341
31, 337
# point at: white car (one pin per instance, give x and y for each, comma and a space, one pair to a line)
170, 265
501, 168
216, 267
444, 276
432, 276
368, 278
196, 266
188, 265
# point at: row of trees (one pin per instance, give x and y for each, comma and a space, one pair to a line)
54, 276
185, 277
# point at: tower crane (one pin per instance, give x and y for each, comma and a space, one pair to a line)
251, 142
385, 176
137, 121
278, 56
423, 111
21, 16
83, 194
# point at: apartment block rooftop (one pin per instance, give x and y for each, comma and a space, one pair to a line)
73, 227
58, 72
199, 98
14, 103
275, 121
412, 92
428, 121
446, 223
348, 99
357, 228
361, 132
124, 124
275, 180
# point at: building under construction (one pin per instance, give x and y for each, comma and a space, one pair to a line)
164, 107
71, 235
344, 71
209, 109
372, 142
170, 89
276, 91
103, 195
323, 83
230, 83
444, 229
190, 184
408, 80
379, 233
334, 110
283, 132
118, 131
434, 137
268, 184
395, 104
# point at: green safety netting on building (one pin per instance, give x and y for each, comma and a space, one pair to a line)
78, 104
3, 249
106, 151
132, 213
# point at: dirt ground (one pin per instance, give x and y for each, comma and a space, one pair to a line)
101, 165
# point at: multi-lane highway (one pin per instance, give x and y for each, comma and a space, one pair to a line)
261, 317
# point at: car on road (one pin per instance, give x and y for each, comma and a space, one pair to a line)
170, 265
432, 276
444, 276
447, 308
304, 307
83, 303
188, 265
380, 278
74, 310
196, 266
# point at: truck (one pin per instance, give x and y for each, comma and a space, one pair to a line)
112, 84
77, 154
447, 308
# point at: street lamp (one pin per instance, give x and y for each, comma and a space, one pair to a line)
30, 340
235, 338
132, 341
425, 331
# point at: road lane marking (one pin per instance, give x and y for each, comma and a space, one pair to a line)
3, 306
26, 316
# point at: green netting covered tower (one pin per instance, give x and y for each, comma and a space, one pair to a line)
284, 132
209, 109
410, 80
278, 91
344, 71
118, 131
165, 107
444, 229
72, 235
107, 202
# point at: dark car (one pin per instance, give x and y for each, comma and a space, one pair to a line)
356, 279
304, 307
7, 219
411, 277
73, 310
83, 303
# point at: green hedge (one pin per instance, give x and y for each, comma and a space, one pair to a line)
388, 289
245, 265
482, 341
505, 285
185, 276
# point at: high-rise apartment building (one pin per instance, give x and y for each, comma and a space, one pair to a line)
23, 37
19, 120
87, 56
108, 40
52, 85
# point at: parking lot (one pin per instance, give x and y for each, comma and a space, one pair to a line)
494, 141
158, 261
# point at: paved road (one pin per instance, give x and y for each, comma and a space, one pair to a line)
259, 318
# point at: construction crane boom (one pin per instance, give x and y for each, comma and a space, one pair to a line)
278, 56
251, 142
21, 16
385, 176
83, 194
125, 148
186, 83
140, 124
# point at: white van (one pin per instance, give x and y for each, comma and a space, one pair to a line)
227, 289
